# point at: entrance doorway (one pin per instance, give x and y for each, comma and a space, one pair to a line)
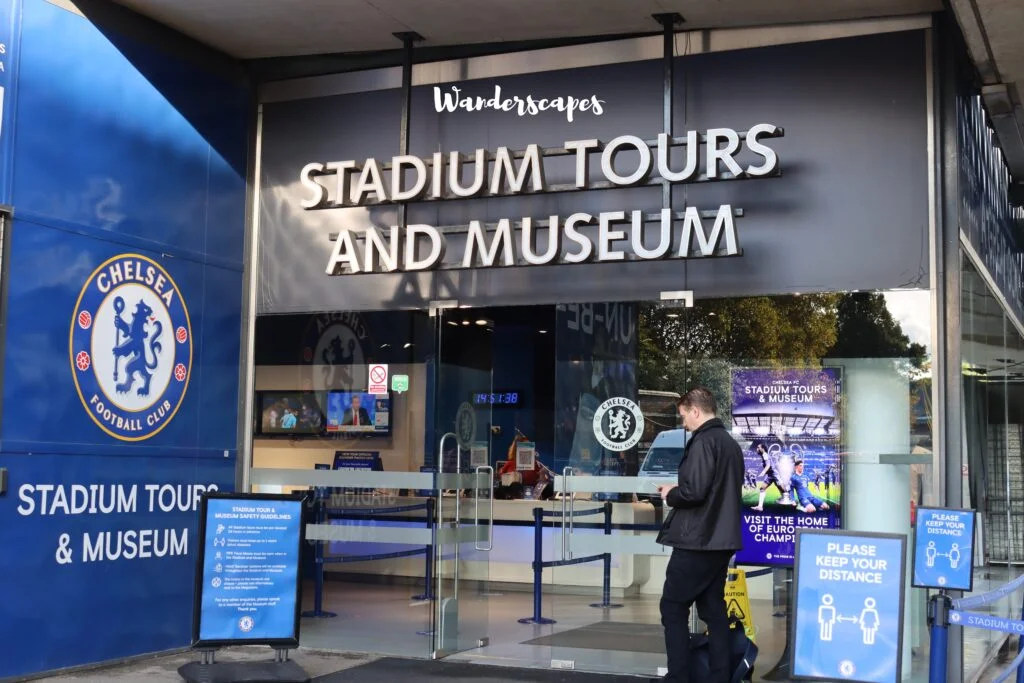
511, 439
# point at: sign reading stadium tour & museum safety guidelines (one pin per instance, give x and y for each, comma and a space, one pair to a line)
788, 422
248, 577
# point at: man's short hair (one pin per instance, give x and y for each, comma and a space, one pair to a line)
700, 397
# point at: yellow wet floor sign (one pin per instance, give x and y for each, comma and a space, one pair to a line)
737, 603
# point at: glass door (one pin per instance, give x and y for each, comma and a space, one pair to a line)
462, 411
603, 587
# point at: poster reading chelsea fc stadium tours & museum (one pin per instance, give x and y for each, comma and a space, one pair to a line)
789, 423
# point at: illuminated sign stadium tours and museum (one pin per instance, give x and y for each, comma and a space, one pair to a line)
569, 239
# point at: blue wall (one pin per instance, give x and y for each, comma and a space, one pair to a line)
125, 140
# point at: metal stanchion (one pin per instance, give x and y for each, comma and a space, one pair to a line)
538, 568
780, 672
606, 582
1020, 648
938, 623
428, 555
318, 611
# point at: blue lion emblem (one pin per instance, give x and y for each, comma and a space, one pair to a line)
133, 346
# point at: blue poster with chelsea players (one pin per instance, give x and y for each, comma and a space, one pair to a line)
248, 588
848, 623
789, 423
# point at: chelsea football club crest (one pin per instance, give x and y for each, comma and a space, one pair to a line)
131, 347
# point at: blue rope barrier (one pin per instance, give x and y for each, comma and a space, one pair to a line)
324, 513
990, 597
1014, 666
566, 563
539, 565
944, 612
577, 513
375, 511
371, 558
759, 572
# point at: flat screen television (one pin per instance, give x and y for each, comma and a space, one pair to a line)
358, 413
284, 413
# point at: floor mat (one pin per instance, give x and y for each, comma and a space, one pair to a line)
609, 635
390, 669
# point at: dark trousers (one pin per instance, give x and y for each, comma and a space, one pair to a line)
696, 577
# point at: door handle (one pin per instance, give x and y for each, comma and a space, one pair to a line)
489, 545
566, 518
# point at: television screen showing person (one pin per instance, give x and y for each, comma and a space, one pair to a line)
356, 414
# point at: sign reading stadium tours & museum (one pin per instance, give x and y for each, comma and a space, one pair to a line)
609, 236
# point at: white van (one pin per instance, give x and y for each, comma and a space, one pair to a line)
661, 465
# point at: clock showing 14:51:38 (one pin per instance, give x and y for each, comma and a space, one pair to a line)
497, 398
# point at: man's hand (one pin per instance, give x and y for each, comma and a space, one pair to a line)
664, 489
809, 508
824, 506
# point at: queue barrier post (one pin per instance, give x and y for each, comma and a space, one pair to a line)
538, 569
1020, 648
428, 555
606, 582
318, 611
322, 516
938, 626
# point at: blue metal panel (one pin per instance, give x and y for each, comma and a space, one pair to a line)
98, 145
10, 42
83, 612
124, 144
42, 411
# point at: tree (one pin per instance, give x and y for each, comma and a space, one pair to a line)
867, 330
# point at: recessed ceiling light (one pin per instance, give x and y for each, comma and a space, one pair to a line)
672, 315
408, 344
481, 322
453, 323
384, 346
712, 313
465, 322
543, 331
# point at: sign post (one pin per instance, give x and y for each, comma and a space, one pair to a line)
248, 584
848, 622
943, 549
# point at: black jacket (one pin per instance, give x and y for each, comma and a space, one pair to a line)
707, 505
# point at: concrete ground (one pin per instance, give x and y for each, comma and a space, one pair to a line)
165, 669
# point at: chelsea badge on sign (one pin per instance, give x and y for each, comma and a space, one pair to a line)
131, 347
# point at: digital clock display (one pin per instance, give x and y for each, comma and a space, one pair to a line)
497, 398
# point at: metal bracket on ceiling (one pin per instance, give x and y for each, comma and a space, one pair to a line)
408, 36
669, 19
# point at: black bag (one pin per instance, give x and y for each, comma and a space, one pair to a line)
742, 651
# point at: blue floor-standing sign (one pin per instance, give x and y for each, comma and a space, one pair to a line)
248, 583
848, 606
943, 549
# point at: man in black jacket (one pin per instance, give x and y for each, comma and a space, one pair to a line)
703, 528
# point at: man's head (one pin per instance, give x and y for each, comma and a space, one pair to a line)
357, 401
696, 407
798, 465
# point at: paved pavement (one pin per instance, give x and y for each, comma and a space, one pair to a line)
165, 669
